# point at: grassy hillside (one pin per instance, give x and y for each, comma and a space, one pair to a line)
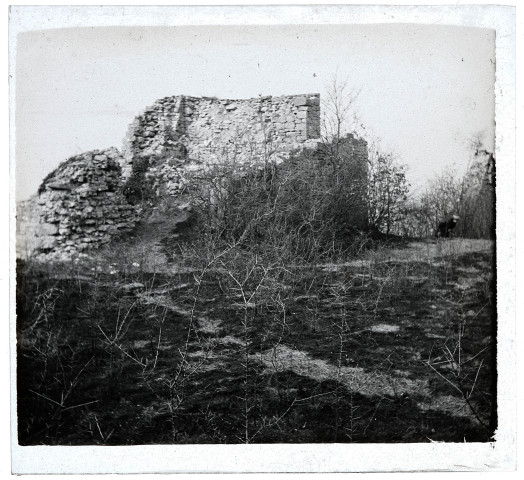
156, 341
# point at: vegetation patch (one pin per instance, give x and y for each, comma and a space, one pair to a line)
257, 354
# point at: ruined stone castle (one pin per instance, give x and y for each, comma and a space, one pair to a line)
82, 204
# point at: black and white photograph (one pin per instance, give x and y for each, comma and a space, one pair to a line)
282, 229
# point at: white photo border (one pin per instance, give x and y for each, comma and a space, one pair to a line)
499, 455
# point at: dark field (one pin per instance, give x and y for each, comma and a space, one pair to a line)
396, 346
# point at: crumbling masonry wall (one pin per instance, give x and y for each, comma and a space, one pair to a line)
210, 130
80, 206
92, 197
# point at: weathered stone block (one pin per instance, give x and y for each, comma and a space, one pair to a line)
300, 127
47, 243
299, 101
47, 229
59, 186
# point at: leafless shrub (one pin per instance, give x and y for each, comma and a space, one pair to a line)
470, 195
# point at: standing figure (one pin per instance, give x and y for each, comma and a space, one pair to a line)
445, 229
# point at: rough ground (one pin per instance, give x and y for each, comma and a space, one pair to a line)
395, 346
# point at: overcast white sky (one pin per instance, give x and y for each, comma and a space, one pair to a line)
425, 90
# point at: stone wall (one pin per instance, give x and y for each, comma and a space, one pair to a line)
93, 197
210, 130
80, 206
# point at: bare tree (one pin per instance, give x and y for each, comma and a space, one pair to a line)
339, 114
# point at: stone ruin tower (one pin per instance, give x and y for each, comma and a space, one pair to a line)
82, 204
209, 129
206, 131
